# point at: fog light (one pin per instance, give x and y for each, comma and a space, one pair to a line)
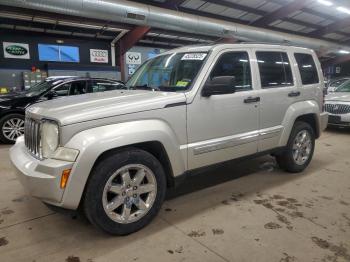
64, 178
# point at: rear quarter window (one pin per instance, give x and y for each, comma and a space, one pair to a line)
307, 68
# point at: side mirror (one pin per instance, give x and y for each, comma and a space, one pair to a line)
51, 94
219, 85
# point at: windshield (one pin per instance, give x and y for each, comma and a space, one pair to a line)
173, 72
338, 82
39, 88
345, 87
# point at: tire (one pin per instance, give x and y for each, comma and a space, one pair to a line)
8, 121
113, 169
286, 160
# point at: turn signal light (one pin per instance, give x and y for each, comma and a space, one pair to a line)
64, 178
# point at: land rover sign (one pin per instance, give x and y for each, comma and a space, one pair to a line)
16, 50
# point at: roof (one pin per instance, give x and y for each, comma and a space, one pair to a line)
207, 48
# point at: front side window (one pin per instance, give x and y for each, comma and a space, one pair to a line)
275, 69
102, 86
62, 90
307, 68
234, 64
172, 72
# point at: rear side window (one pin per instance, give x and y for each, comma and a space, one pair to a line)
235, 64
307, 68
275, 70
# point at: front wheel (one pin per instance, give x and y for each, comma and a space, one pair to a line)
11, 127
125, 191
299, 150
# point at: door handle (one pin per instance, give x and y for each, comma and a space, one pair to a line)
252, 100
294, 94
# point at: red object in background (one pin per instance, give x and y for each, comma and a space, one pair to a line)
33, 68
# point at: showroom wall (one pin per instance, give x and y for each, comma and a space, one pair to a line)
11, 69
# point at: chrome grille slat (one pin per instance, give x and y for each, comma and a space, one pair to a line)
337, 109
32, 136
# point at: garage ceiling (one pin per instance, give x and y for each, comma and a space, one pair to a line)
313, 18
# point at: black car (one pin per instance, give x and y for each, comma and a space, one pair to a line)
12, 106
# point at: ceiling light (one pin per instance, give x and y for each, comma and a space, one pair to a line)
343, 10
325, 2
344, 52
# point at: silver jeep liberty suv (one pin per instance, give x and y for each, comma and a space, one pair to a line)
114, 154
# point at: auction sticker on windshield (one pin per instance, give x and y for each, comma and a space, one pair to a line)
194, 56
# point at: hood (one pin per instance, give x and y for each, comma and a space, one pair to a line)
338, 96
81, 108
14, 99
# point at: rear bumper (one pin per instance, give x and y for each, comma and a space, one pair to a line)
41, 179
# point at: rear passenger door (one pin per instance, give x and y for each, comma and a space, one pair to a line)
278, 91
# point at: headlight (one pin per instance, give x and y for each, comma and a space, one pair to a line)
49, 138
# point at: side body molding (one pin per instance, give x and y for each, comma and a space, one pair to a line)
293, 112
93, 142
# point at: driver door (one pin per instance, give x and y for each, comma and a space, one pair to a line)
224, 127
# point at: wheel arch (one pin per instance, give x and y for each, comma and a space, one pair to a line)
155, 148
153, 136
306, 111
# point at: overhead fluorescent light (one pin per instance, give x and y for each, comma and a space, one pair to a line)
325, 2
344, 52
343, 10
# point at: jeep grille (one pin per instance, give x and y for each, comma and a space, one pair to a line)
32, 137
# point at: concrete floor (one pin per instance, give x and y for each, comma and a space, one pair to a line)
249, 211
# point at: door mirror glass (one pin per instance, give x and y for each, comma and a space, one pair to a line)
219, 85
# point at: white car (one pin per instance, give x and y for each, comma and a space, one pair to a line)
338, 106
114, 154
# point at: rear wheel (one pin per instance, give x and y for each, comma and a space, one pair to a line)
299, 150
125, 191
11, 127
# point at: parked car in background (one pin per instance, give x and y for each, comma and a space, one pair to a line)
13, 105
115, 155
338, 106
334, 83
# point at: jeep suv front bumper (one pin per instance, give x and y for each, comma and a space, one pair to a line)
41, 178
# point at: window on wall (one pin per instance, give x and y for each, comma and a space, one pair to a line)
58, 53
275, 69
307, 68
235, 64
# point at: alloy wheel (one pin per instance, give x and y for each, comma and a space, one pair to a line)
302, 147
13, 128
129, 193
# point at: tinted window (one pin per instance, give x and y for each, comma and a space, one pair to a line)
78, 88
275, 70
235, 64
63, 90
101, 86
307, 69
